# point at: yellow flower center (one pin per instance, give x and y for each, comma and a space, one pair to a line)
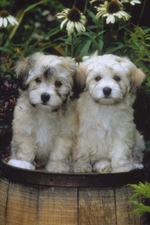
78, 59
74, 14
113, 7
4, 13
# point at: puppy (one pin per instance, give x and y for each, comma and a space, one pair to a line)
44, 124
107, 137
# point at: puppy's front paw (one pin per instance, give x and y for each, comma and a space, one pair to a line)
103, 166
138, 165
122, 165
59, 167
124, 168
21, 164
82, 167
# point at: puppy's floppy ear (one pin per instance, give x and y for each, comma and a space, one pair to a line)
79, 80
22, 69
136, 75
137, 78
95, 53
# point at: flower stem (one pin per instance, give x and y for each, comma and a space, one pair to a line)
66, 49
141, 12
85, 6
98, 23
72, 43
102, 25
19, 17
74, 3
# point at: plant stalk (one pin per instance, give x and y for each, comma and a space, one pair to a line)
72, 47
85, 7
144, 3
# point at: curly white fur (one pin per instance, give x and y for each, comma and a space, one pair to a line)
107, 139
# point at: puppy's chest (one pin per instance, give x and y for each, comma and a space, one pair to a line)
46, 130
104, 122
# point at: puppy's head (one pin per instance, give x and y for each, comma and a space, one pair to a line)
48, 80
109, 78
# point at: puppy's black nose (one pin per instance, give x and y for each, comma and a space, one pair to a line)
107, 91
45, 97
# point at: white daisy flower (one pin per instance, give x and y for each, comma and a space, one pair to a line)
132, 2
93, 1
74, 18
6, 18
111, 10
96, 1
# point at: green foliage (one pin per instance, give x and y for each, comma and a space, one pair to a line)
147, 144
139, 42
20, 39
144, 191
5, 3
99, 36
37, 31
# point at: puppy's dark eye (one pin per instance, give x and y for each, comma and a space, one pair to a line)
38, 80
116, 78
58, 83
98, 78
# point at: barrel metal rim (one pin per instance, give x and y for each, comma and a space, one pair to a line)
92, 180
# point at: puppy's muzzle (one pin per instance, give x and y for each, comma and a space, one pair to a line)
45, 97
107, 91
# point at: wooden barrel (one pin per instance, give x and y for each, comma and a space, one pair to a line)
42, 198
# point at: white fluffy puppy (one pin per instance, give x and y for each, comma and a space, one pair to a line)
107, 139
44, 124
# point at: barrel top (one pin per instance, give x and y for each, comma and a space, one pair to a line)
93, 180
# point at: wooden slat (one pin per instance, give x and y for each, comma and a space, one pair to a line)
97, 207
57, 206
4, 185
123, 207
22, 205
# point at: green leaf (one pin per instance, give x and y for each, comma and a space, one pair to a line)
49, 34
79, 46
142, 208
101, 32
148, 142
92, 15
3, 49
135, 195
100, 45
89, 34
7, 76
26, 26
85, 49
34, 5
90, 27
113, 49
138, 210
